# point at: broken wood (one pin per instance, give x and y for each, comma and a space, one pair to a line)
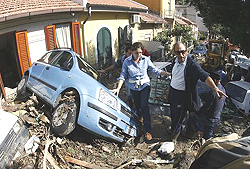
52, 161
29, 120
82, 163
138, 161
126, 164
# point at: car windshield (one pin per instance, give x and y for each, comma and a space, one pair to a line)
236, 92
86, 67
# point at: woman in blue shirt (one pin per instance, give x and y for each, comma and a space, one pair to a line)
134, 70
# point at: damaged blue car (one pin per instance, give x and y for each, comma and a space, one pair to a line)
70, 85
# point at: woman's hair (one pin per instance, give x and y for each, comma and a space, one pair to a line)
137, 45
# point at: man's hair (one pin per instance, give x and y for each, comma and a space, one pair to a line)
178, 43
128, 47
137, 45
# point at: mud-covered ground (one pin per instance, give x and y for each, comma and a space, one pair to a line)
81, 149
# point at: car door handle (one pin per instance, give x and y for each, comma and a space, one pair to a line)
47, 68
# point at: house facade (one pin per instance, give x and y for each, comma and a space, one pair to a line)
108, 26
29, 28
95, 29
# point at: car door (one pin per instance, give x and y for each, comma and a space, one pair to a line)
38, 67
53, 74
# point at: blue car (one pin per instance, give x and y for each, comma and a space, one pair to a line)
202, 50
69, 84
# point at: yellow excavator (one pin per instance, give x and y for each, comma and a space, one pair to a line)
218, 52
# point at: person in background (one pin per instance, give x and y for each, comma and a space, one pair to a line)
118, 65
135, 72
237, 73
223, 75
209, 114
183, 95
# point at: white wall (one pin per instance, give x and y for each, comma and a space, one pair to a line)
35, 30
37, 45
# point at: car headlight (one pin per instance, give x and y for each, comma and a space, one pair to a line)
108, 99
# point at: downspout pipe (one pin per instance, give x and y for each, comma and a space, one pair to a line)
85, 20
89, 14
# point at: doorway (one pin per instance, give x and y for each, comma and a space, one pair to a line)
9, 65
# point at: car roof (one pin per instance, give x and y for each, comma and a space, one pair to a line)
161, 65
243, 84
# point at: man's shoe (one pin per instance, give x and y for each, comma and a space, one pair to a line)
148, 136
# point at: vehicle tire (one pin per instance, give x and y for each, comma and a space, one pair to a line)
21, 87
64, 116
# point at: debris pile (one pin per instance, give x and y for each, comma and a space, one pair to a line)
81, 149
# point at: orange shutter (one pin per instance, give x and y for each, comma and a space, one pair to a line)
50, 37
2, 87
76, 40
23, 50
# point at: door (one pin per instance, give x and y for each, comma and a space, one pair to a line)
54, 73
38, 67
104, 48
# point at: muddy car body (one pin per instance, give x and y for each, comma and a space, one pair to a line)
68, 83
13, 137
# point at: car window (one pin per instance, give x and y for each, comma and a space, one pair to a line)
50, 57
64, 61
236, 92
86, 67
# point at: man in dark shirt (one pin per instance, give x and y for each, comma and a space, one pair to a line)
183, 94
209, 114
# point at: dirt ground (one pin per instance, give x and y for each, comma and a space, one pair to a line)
81, 149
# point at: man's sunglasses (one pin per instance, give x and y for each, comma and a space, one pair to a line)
180, 52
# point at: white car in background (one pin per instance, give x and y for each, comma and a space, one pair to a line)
239, 94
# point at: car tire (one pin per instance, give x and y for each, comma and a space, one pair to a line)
64, 117
21, 87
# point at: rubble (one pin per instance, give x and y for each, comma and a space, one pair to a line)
81, 149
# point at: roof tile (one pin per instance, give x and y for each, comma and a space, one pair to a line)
13, 7
119, 3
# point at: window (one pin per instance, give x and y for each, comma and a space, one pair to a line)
49, 57
86, 67
64, 61
59, 59
236, 92
104, 47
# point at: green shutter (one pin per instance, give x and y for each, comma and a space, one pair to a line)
104, 47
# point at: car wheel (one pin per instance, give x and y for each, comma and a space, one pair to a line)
64, 117
21, 87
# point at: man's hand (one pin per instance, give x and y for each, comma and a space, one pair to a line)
115, 91
220, 93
